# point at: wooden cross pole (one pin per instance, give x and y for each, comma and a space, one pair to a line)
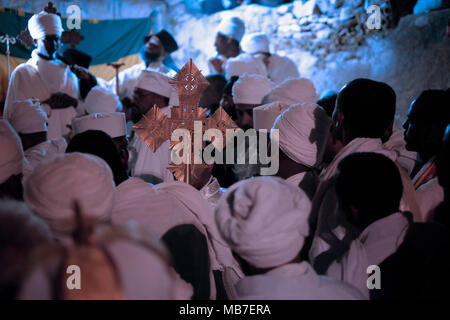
116, 67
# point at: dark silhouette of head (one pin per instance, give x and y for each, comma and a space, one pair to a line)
369, 187
101, 145
364, 109
427, 119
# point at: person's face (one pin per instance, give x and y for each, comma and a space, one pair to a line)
414, 129
244, 114
122, 147
227, 102
50, 43
154, 49
221, 43
144, 100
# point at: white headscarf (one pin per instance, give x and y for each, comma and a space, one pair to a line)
112, 123
232, 27
28, 117
303, 131
155, 82
264, 220
53, 188
11, 155
44, 24
100, 99
256, 42
292, 91
264, 116
244, 63
251, 89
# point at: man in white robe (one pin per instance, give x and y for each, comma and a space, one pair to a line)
278, 68
30, 122
369, 188
153, 88
303, 132
265, 222
356, 129
425, 126
156, 48
228, 37
45, 78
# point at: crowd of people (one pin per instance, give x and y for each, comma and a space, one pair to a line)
78, 186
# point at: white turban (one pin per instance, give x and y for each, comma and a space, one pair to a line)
264, 220
28, 117
44, 24
100, 99
244, 63
53, 188
11, 155
256, 42
264, 116
112, 123
155, 82
303, 132
292, 91
251, 89
232, 27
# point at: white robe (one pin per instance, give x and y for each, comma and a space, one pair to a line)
325, 208
128, 77
429, 196
281, 68
295, 281
405, 158
377, 242
148, 165
165, 206
42, 152
296, 178
39, 79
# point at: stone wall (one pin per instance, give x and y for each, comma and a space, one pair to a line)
332, 46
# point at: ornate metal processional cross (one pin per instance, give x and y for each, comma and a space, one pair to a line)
155, 127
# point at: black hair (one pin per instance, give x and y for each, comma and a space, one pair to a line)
368, 107
101, 145
370, 183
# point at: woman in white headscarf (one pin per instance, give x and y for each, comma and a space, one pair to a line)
265, 222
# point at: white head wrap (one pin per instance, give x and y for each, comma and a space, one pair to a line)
155, 82
100, 99
232, 27
251, 89
28, 117
256, 42
53, 188
11, 155
43, 24
264, 116
244, 63
304, 130
264, 220
112, 123
292, 91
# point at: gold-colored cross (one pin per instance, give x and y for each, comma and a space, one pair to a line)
155, 128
